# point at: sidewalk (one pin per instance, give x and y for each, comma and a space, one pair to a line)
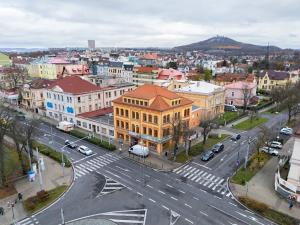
261, 188
52, 177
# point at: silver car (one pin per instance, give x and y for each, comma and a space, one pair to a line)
84, 150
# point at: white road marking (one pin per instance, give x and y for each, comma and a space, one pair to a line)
181, 191
161, 192
187, 205
174, 198
195, 198
203, 213
169, 185
165, 207
202, 165
150, 199
139, 193
232, 204
149, 186
189, 221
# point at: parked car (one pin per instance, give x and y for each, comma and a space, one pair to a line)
139, 150
207, 156
230, 108
84, 150
20, 116
275, 144
286, 131
269, 150
218, 147
70, 144
235, 137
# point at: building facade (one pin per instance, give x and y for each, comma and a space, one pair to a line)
146, 114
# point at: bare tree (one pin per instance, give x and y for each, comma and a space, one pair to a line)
292, 99
187, 132
5, 121
277, 94
16, 74
176, 124
246, 94
206, 126
263, 137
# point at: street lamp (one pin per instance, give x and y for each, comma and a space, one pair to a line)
12, 205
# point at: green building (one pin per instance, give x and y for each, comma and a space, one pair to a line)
4, 60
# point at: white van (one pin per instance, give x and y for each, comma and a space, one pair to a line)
139, 150
65, 126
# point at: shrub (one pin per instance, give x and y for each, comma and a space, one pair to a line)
42, 195
253, 204
93, 140
45, 150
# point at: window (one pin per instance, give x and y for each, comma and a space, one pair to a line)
118, 123
90, 126
90, 107
103, 130
150, 118
155, 133
129, 100
137, 115
90, 97
141, 103
117, 111
155, 119
166, 132
232, 94
144, 130
186, 112
127, 126
150, 131
109, 94
79, 109
133, 115
78, 99
78, 123
122, 112
144, 117
165, 119
168, 118
125, 99
137, 129
96, 106
58, 97
146, 103
265, 81
84, 124
115, 93
122, 124
98, 129
133, 128
126, 113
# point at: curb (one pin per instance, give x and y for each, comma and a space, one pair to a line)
56, 200
235, 199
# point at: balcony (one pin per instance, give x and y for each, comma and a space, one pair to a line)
156, 139
131, 133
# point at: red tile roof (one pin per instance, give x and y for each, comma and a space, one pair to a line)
99, 112
145, 69
74, 85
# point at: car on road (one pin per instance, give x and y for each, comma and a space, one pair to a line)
20, 116
207, 156
218, 148
235, 137
275, 144
286, 131
139, 150
84, 150
70, 144
269, 150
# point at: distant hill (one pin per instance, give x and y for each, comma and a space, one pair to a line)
225, 45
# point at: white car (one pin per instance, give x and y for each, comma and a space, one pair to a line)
139, 150
269, 150
84, 150
286, 131
275, 144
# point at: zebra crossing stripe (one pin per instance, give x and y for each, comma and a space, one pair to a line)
181, 169
201, 177
193, 174
185, 170
185, 175
205, 178
193, 178
213, 182
110, 186
98, 162
208, 181
219, 182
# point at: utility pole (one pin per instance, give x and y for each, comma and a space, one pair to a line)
247, 154
39, 169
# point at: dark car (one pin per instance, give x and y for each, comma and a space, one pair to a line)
218, 148
207, 156
235, 137
70, 144
20, 116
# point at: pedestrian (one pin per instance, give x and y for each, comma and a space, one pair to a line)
1, 211
20, 196
291, 204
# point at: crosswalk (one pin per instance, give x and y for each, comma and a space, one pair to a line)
28, 221
204, 178
110, 187
94, 164
135, 216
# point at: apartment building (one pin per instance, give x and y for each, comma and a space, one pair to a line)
70, 96
146, 114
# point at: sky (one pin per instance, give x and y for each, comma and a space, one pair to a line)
141, 23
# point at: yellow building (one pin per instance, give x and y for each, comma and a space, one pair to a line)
208, 97
47, 71
146, 114
267, 80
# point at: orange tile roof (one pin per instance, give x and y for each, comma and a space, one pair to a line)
159, 94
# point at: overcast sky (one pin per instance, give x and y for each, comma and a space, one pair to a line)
141, 23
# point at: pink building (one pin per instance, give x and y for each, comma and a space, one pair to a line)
170, 74
235, 93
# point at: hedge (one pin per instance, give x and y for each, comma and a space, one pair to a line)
93, 140
55, 155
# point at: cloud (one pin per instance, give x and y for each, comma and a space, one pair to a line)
136, 23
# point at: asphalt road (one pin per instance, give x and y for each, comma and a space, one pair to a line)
109, 186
